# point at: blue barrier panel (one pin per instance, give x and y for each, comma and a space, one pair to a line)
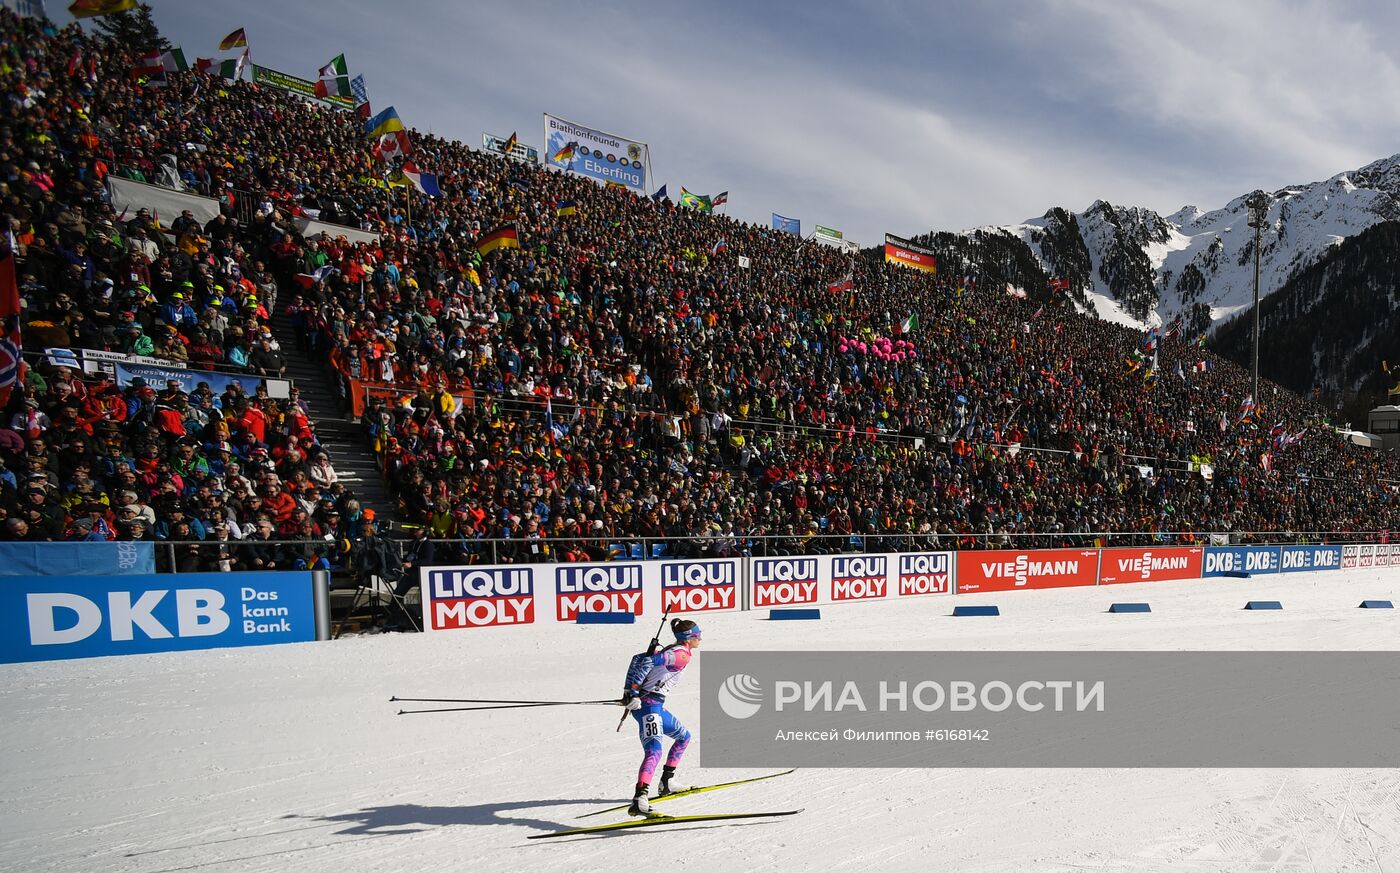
1130, 607
1295, 559
76, 559
1263, 604
959, 611
1234, 574
606, 618
1230, 560
794, 614
1377, 604
47, 618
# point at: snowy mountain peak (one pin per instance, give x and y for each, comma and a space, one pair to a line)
1134, 266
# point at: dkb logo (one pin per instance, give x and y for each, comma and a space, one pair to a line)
740, 696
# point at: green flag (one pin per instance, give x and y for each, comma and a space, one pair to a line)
696, 201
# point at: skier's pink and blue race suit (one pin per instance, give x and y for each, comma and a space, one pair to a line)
662, 672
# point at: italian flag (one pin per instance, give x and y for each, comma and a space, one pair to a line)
231, 68
174, 61
909, 324
333, 80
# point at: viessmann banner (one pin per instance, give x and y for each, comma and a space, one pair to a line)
1039, 568
601, 156
1149, 565
907, 254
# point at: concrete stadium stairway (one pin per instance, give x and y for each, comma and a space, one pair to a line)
342, 437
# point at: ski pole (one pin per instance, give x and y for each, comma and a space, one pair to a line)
482, 700
512, 706
651, 650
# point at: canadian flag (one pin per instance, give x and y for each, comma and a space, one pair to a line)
393, 146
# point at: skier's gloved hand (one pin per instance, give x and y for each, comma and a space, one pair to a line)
632, 704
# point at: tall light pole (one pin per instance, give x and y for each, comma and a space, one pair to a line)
1258, 205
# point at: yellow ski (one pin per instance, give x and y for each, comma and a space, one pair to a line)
655, 820
699, 789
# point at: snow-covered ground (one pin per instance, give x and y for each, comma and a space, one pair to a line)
291, 758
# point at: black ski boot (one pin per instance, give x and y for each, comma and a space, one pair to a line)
667, 786
640, 804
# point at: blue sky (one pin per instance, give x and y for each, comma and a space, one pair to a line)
878, 116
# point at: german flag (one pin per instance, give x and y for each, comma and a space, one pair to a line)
503, 237
237, 39
510, 145
565, 154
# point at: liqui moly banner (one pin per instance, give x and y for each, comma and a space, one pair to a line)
925, 573
1350, 555
1014, 571
784, 581
597, 588
470, 597
1149, 565
1365, 556
860, 577
1296, 559
699, 586
1233, 560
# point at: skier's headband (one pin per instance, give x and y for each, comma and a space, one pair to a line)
690, 633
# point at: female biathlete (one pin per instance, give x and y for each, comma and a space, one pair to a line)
650, 677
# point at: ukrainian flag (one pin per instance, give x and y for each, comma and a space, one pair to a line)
565, 207
385, 122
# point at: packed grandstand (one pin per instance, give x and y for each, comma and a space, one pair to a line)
631, 370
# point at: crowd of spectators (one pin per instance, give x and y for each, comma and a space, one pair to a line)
621, 374
237, 478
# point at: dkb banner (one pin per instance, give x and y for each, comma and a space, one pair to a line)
48, 618
1049, 709
1234, 560
597, 155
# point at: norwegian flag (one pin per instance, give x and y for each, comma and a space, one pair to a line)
11, 356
